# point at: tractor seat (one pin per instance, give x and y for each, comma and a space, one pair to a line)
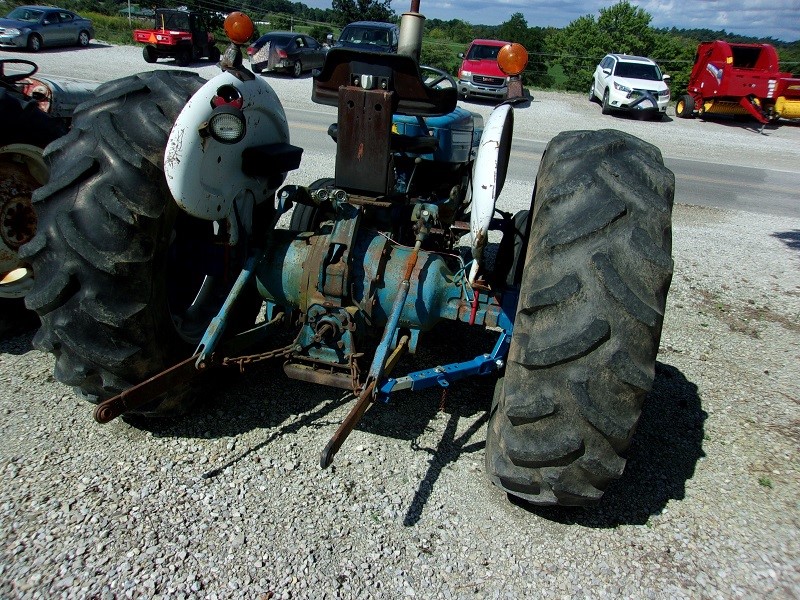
397, 73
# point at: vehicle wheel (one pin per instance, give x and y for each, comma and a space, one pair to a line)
308, 218
582, 356
184, 57
125, 282
24, 132
606, 106
214, 54
83, 39
298, 69
684, 107
34, 42
150, 55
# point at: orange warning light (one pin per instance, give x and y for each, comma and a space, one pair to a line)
512, 59
238, 27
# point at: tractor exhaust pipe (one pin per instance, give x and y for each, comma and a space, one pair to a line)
411, 23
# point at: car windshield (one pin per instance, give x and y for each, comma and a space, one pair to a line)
365, 35
638, 71
25, 14
483, 53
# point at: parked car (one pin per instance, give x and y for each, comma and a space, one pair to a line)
630, 83
34, 27
479, 75
370, 35
286, 51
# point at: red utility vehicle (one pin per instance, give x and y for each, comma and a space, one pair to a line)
182, 35
740, 79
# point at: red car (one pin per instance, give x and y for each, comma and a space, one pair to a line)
479, 74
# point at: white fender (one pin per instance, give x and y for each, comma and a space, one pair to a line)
488, 177
205, 176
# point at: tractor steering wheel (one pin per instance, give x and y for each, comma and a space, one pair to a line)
7, 80
439, 77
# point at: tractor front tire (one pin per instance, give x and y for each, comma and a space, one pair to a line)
118, 267
594, 287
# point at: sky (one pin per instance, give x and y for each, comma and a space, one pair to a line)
779, 19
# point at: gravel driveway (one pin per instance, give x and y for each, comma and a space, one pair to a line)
230, 502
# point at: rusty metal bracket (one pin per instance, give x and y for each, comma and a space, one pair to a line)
145, 392
363, 402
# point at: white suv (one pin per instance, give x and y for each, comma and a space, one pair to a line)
631, 83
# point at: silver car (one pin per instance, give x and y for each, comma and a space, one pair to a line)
34, 27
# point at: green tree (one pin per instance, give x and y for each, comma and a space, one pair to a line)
625, 29
347, 11
577, 48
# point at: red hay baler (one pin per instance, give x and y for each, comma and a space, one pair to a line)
739, 80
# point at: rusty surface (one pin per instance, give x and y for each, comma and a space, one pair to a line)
363, 402
145, 392
363, 147
310, 374
17, 217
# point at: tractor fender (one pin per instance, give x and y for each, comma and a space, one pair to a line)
204, 175
488, 176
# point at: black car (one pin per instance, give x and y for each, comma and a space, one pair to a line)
286, 51
375, 36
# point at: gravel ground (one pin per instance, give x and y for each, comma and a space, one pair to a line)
229, 502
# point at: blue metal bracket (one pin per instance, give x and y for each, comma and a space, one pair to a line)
444, 375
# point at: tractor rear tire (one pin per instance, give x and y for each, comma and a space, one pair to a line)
20, 123
684, 107
118, 267
582, 357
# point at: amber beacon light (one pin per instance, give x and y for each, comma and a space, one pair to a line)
238, 27
512, 59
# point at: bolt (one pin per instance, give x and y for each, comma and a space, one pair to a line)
499, 363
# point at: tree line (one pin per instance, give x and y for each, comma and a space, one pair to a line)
560, 58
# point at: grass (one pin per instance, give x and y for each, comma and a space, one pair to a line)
765, 482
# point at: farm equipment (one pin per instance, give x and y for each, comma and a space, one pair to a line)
179, 34
34, 111
139, 247
739, 80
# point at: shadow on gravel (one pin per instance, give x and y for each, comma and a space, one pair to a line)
790, 238
662, 458
16, 324
663, 454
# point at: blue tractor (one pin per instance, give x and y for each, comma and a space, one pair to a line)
158, 248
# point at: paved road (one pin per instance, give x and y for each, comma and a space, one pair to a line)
700, 183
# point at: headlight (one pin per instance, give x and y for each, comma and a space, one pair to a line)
663, 94
466, 73
621, 88
12, 31
227, 125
